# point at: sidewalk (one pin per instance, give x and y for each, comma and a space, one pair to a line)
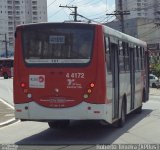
6, 114
154, 91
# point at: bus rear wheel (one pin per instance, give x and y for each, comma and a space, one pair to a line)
154, 85
59, 124
120, 123
138, 110
5, 75
123, 115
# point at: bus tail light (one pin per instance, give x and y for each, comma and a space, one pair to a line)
92, 85
23, 85
89, 90
25, 90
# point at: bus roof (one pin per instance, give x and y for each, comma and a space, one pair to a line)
107, 30
50, 23
123, 36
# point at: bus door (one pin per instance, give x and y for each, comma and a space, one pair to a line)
132, 76
146, 66
115, 75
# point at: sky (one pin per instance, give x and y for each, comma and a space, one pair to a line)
92, 9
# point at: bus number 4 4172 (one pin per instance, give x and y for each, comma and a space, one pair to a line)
75, 75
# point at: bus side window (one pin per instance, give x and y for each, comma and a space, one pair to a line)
126, 55
141, 58
142, 61
136, 59
121, 56
108, 54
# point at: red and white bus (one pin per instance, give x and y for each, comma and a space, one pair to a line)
6, 67
78, 71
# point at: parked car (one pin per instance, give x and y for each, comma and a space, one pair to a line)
153, 81
6, 67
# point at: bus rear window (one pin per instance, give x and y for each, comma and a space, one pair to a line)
58, 45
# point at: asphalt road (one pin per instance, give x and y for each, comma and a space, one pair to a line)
6, 90
139, 128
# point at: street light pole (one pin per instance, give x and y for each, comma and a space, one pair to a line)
6, 42
6, 45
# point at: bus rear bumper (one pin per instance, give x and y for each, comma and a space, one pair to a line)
84, 111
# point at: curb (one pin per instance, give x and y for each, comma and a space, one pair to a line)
154, 94
11, 121
6, 103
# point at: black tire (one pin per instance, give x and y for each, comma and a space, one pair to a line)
5, 75
59, 124
138, 110
154, 85
120, 123
144, 96
123, 115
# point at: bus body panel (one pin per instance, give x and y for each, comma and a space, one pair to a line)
124, 82
86, 92
56, 89
37, 112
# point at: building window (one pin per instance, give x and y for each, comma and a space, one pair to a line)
139, 4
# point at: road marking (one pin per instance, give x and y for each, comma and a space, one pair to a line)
9, 122
9, 115
9, 105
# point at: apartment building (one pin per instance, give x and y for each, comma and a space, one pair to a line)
16, 12
149, 9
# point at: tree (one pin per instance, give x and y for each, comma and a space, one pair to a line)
155, 66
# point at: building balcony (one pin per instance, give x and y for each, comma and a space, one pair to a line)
10, 39
34, 3
17, 18
10, 18
17, 7
17, 13
10, 14
9, 2
10, 28
10, 7
34, 8
17, 2
35, 13
10, 34
10, 23
18, 22
34, 17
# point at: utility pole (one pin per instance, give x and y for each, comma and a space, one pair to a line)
121, 13
74, 13
6, 42
6, 45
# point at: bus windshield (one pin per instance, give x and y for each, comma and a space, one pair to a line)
58, 45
